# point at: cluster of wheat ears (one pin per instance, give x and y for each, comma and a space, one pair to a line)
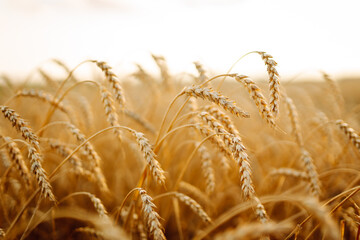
162, 158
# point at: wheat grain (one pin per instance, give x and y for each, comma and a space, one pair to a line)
151, 216
215, 97
274, 83
258, 98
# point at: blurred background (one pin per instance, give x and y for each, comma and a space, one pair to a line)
303, 36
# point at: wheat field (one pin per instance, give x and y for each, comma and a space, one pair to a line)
179, 156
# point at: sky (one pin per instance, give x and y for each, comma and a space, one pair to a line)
303, 36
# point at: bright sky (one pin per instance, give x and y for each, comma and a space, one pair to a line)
303, 36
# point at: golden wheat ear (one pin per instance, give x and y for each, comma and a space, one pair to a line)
151, 216
114, 82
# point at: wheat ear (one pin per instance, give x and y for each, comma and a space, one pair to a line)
99, 206
114, 82
260, 211
350, 133
274, 83
96, 234
43, 96
215, 97
195, 206
161, 63
20, 125
111, 114
41, 177
216, 140
151, 216
149, 156
335, 91
223, 119
207, 169
202, 74
92, 155
17, 158
311, 172
238, 150
34, 156
258, 98
64, 151
290, 172
294, 118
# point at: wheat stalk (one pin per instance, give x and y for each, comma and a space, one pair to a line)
274, 83
258, 98
151, 216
